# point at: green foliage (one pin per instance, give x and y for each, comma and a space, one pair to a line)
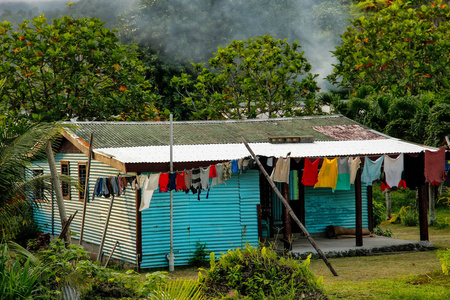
379, 212
21, 274
258, 273
382, 232
18, 140
444, 257
247, 79
179, 290
200, 255
72, 68
398, 50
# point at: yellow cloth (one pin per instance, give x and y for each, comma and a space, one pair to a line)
328, 173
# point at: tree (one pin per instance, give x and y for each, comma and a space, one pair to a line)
398, 50
250, 78
72, 68
21, 140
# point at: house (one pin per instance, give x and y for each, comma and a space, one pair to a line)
240, 211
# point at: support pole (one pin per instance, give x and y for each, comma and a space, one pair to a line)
289, 210
86, 189
138, 228
171, 256
105, 229
358, 209
287, 232
423, 218
112, 252
57, 184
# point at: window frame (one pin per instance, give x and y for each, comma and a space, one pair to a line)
82, 183
64, 184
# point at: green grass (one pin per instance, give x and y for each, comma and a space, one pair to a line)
415, 275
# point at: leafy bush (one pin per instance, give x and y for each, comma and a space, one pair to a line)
444, 257
21, 274
258, 273
199, 256
382, 232
408, 217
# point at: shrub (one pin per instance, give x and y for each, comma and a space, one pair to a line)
382, 232
258, 273
444, 257
199, 256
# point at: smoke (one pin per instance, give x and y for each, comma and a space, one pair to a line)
191, 30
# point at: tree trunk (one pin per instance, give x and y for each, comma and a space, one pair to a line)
58, 192
388, 204
431, 204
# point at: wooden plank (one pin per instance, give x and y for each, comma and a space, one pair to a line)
105, 229
138, 227
287, 232
358, 209
86, 188
289, 209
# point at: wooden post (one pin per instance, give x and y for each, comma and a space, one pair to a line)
289, 209
112, 252
58, 192
370, 207
138, 228
358, 209
301, 199
86, 189
105, 229
287, 232
423, 219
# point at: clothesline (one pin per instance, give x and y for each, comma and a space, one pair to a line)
338, 174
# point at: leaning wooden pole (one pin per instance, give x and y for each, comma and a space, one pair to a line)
289, 209
105, 229
86, 188
58, 192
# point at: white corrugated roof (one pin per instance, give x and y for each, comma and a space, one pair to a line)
224, 152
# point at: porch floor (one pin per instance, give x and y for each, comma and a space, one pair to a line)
346, 247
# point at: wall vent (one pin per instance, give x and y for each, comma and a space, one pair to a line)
291, 139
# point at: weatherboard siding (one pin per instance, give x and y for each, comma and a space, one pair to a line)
226, 220
122, 224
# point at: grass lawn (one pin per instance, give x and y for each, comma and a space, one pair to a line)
415, 275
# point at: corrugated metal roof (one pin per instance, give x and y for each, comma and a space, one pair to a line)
138, 134
214, 152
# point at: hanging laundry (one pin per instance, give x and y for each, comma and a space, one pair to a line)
142, 180
328, 174
270, 161
282, 169
172, 181
195, 182
310, 172
435, 166
188, 180
204, 178
355, 164
245, 164
147, 192
372, 170
413, 170
181, 181
219, 178
343, 179
226, 170
106, 192
212, 171
163, 182
393, 169
234, 166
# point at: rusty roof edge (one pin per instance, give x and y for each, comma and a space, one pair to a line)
206, 121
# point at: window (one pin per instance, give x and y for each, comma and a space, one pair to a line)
81, 179
65, 187
38, 186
